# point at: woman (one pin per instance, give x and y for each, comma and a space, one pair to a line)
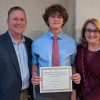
88, 61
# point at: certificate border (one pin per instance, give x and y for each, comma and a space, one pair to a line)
42, 90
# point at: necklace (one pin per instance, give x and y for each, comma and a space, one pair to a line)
90, 54
92, 51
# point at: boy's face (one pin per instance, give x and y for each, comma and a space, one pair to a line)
55, 21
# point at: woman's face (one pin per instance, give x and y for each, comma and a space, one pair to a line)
92, 34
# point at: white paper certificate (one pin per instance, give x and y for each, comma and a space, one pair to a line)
55, 79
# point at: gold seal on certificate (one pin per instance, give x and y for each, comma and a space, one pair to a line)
55, 79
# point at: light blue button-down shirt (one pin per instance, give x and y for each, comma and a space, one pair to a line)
21, 53
42, 50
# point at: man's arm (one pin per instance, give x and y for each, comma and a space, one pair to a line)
35, 77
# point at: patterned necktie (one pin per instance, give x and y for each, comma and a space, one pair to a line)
55, 52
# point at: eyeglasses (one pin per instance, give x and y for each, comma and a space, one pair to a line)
90, 30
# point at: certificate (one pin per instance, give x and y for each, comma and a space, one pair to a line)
55, 79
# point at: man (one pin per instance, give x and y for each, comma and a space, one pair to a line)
43, 52
15, 58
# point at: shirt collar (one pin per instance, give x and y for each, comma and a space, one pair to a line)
14, 42
60, 35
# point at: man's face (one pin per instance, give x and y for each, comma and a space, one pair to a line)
17, 22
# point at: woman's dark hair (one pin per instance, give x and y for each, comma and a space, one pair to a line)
54, 9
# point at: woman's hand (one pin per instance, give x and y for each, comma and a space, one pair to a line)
76, 78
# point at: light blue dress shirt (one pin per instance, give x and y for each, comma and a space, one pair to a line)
22, 57
42, 50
